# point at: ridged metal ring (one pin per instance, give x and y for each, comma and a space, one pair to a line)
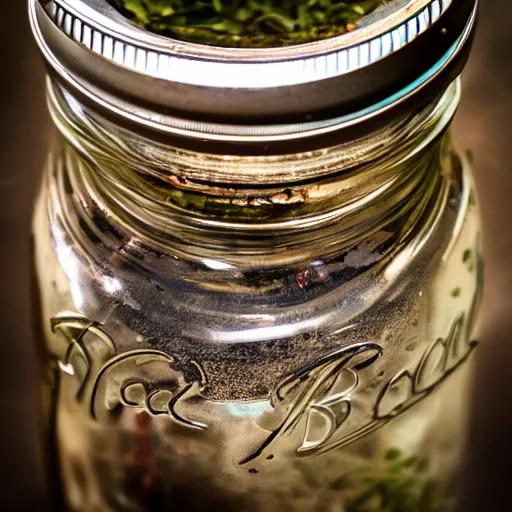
251, 96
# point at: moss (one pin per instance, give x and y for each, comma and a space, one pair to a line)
247, 23
400, 485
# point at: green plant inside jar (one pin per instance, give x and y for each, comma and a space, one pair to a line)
247, 23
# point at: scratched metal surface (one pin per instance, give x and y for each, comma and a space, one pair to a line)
484, 124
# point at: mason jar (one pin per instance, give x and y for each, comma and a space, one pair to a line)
258, 270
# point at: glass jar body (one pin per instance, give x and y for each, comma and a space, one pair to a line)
338, 381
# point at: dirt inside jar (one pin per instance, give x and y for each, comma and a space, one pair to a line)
247, 23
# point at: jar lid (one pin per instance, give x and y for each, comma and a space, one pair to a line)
253, 95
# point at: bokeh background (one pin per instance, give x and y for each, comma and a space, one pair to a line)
484, 126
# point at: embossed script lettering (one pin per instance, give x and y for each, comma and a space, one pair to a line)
439, 361
317, 399
316, 405
323, 405
81, 347
144, 379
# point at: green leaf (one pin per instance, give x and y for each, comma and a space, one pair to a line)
217, 5
455, 292
423, 465
392, 454
283, 22
243, 14
137, 7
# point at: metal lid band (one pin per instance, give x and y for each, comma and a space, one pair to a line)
198, 94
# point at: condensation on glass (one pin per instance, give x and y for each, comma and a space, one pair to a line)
254, 329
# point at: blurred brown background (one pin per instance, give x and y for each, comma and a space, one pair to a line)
484, 125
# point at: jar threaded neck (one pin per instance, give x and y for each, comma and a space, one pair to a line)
250, 205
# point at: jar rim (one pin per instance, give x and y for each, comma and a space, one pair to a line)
102, 16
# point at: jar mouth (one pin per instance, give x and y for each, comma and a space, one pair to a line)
260, 26
103, 16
